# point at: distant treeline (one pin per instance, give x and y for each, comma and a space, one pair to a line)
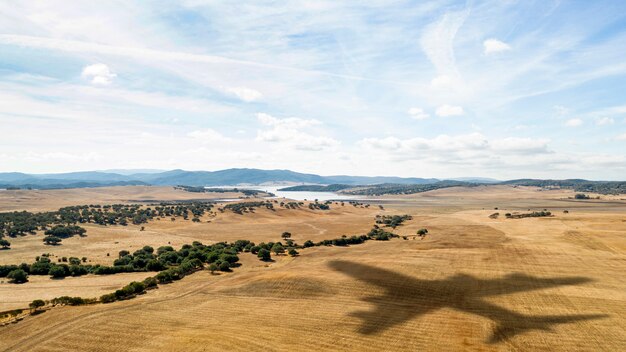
317, 188
601, 187
578, 185
246, 192
61, 223
388, 188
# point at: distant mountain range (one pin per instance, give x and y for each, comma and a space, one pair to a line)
188, 178
235, 177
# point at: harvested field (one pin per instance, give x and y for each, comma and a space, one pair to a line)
473, 283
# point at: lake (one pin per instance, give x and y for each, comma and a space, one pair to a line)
320, 196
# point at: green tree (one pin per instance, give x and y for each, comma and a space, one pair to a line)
52, 240
213, 267
57, 271
224, 266
293, 252
286, 235
4, 243
18, 276
264, 254
36, 304
278, 248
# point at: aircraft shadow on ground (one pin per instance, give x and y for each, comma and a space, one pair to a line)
407, 297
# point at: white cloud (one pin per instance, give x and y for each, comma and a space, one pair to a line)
574, 122
289, 131
621, 137
449, 110
561, 110
493, 46
245, 94
438, 39
99, 74
208, 136
520, 145
604, 121
418, 113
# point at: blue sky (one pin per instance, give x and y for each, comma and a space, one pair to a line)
503, 89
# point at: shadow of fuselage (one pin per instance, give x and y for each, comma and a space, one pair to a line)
405, 298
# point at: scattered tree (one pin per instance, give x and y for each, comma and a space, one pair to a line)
264, 254
4, 243
18, 276
36, 304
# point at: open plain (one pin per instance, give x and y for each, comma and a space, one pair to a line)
475, 282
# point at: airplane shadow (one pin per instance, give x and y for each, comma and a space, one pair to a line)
407, 297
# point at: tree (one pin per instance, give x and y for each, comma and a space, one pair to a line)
52, 240
224, 266
4, 243
278, 248
264, 254
286, 235
57, 271
293, 252
213, 267
422, 232
18, 276
36, 304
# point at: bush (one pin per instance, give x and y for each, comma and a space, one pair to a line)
4, 243
293, 252
108, 298
278, 248
51, 240
264, 254
57, 271
213, 267
36, 304
150, 282
18, 276
224, 266
164, 277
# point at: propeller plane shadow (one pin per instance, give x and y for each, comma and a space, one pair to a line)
406, 297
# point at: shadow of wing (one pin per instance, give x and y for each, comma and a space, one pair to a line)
520, 283
510, 323
385, 315
375, 276
395, 306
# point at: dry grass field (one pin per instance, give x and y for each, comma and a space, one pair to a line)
473, 283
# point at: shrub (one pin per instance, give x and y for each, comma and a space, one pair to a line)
264, 254
18, 276
4, 243
213, 267
51, 240
278, 248
164, 277
224, 266
57, 271
150, 282
108, 298
293, 252
36, 304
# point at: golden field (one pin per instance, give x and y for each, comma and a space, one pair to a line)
473, 283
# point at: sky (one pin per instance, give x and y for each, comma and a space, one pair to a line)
501, 89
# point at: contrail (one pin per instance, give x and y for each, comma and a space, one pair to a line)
153, 54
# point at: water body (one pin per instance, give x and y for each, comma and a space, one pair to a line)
320, 196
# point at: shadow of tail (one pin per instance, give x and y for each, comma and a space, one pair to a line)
544, 323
